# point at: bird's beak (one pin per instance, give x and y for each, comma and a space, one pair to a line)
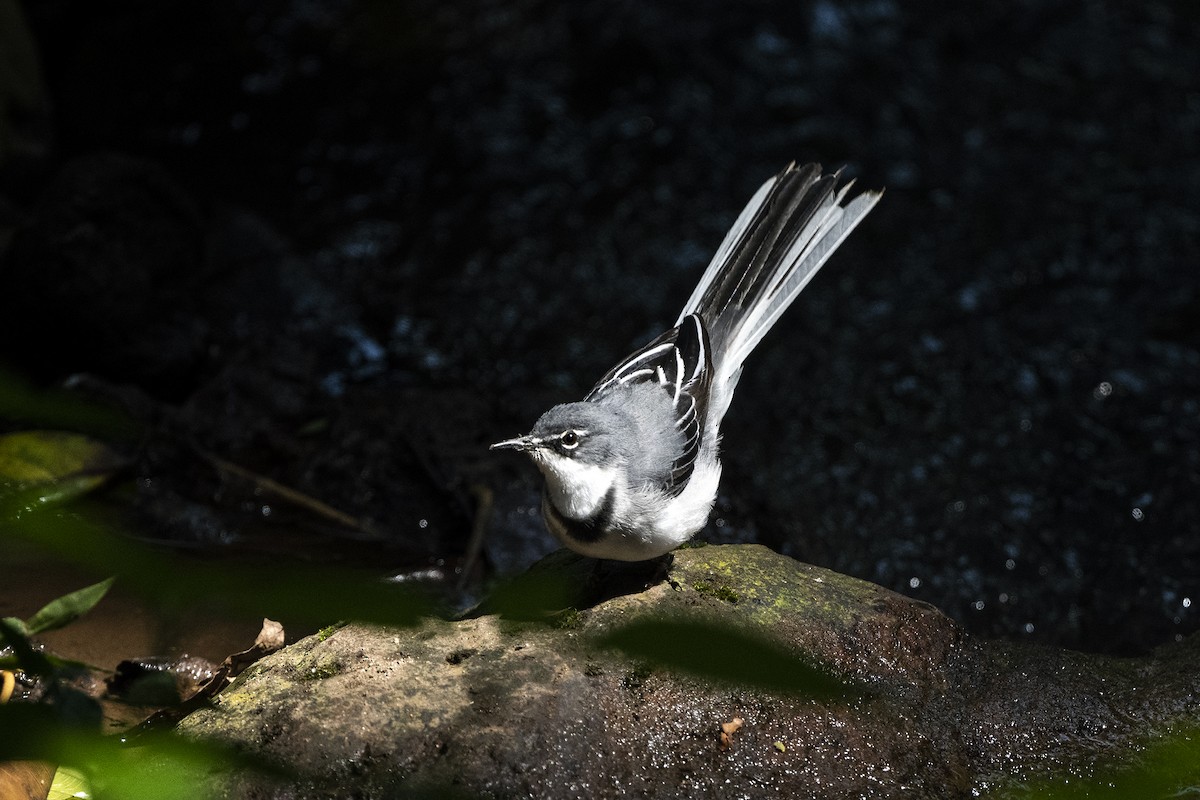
524, 443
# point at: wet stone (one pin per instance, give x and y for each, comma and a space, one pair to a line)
498, 707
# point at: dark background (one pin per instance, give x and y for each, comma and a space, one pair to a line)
347, 244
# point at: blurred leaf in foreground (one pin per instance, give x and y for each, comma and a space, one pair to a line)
22, 402
29, 457
69, 783
25, 657
289, 592
161, 767
60, 466
722, 654
1166, 766
532, 595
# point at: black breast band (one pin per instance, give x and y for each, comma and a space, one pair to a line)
588, 530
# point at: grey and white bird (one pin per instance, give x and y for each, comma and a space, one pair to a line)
631, 471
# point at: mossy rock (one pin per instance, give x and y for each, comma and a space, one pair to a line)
497, 707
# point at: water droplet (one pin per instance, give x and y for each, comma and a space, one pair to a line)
932, 344
968, 298
828, 22
1027, 381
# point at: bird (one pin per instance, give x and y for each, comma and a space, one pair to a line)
632, 471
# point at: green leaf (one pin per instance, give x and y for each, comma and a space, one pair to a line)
31, 457
58, 408
1160, 766
54, 615
69, 783
722, 654
67, 609
59, 465
161, 767
533, 595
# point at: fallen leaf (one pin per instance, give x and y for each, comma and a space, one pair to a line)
270, 639
25, 779
728, 729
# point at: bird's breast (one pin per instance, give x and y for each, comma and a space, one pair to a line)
578, 490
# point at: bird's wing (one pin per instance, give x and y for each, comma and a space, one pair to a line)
681, 363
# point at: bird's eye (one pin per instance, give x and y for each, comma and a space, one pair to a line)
569, 440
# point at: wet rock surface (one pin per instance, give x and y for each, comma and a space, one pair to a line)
494, 707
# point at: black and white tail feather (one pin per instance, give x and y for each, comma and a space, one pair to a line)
787, 232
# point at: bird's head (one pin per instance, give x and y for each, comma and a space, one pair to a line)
580, 449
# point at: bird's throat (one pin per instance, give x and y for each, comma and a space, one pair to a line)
579, 491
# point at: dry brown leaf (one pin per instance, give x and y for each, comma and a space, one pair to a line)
27, 780
733, 726
270, 639
728, 729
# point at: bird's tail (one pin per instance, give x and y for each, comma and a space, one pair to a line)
783, 236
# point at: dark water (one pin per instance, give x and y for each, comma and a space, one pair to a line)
360, 240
